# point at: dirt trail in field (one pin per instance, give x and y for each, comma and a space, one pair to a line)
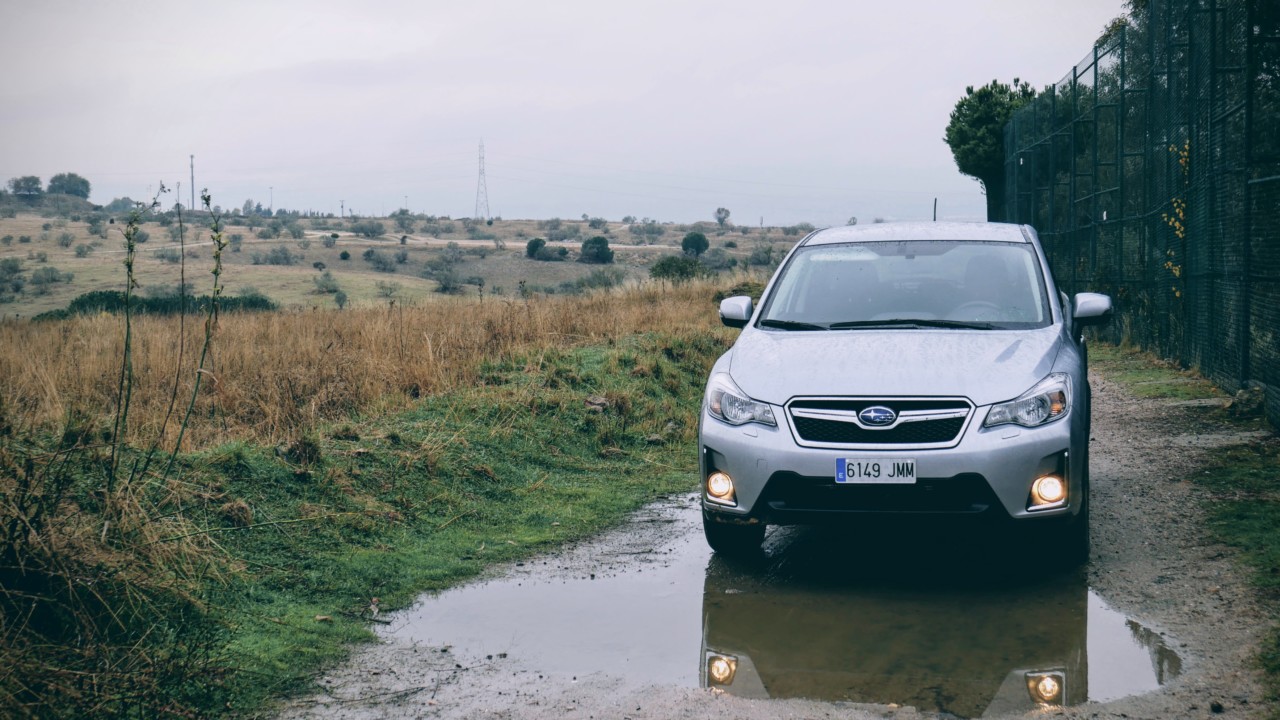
1151, 562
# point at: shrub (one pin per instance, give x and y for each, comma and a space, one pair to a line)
718, 259
597, 223
647, 229
531, 248
380, 261
7, 240
295, 230
599, 278
169, 255
387, 289
368, 228
677, 269
279, 255
730, 244
340, 298
326, 283
236, 241
402, 257
265, 234
329, 240
66, 239
596, 250
46, 227
344, 255
82, 250
551, 254
22, 239
761, 255
694, 243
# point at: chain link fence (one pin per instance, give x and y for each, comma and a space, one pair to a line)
1152, 173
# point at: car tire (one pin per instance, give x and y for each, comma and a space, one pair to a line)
732, 539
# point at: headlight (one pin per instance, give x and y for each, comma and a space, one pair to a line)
1049, 400
726, 402
1046, 688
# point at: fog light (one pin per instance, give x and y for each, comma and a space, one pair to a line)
720, 669
720, 487
1045, 688
1048, 490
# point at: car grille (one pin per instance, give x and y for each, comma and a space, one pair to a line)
787, 493
923, 422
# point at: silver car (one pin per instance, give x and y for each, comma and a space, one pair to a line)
902, 368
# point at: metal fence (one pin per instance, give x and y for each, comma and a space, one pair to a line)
1152, 173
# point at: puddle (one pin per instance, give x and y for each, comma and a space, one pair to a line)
881, 617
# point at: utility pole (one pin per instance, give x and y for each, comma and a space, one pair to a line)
193, 183
482, 192
271, 199
342, 208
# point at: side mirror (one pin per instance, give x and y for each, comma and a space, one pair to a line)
1092, 309
736, 311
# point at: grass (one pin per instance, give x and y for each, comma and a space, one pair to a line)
292, 286
1241, 492
334, 457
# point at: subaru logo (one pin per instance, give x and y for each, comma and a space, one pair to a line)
877, 416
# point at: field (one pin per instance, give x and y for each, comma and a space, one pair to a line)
492, 253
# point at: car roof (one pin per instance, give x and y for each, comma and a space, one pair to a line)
886, 232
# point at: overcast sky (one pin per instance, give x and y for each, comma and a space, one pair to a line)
786, 110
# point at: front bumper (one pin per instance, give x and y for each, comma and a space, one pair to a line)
988, 472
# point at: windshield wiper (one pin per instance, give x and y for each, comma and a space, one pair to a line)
791, 325
912, 323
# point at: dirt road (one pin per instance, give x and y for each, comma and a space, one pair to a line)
622, 627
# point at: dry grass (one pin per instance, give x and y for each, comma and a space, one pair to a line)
274, 375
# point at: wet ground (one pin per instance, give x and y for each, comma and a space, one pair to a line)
894, 621
939, 620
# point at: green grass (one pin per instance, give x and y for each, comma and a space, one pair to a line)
1147, 377
1241, 484
389, 507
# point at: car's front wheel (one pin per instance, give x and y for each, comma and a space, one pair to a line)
732, 539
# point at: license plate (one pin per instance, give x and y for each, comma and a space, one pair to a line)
876, 471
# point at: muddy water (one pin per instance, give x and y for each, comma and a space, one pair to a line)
941, 619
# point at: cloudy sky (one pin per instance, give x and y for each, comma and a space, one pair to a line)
789, 111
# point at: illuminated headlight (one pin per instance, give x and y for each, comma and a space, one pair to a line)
721, 669
1046, 688
726, 402
1048, 491
1049, 400
720, 488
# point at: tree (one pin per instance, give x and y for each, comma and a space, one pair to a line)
722, 216
532, 247
853, 220
68, 184
976, 135
596, 250
26, 186
695, 243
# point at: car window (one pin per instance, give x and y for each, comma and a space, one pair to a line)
983, 284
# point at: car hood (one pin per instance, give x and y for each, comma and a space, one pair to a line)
984, 366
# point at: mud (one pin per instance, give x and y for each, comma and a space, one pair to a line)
886, 621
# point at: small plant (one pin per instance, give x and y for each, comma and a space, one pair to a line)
83, 251
326, 283
24, 239
344, 255
7, 240
340, 298
66, 239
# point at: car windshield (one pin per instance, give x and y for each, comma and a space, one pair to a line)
946, 284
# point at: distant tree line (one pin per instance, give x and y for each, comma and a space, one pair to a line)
113, 301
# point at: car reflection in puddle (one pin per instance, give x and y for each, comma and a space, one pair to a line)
843, 618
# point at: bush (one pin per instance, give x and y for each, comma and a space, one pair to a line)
295, 230
169, 255
380, 261
141, 236
596, 250
23, 239
330, 240
368, 228
551, 254
531, 248
730, 244
718, 259
278, 255
599, 278
694, 243
326, 283
66, 239
402, 257
82, 250
647, 229
597, 223
344, 255
677, 269
7, 240
340, 298
761, 255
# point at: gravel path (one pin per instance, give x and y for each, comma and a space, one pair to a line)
1151, 561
